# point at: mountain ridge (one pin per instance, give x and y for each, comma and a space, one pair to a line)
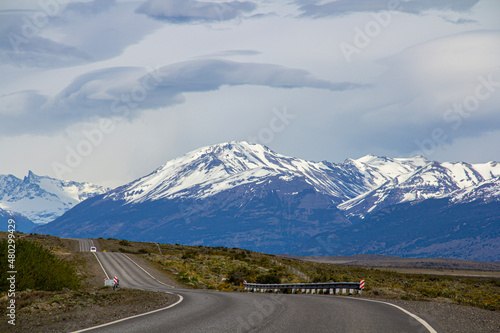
41, 198
434, 180
216, 167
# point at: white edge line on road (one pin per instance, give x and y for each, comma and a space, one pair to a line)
414, 316
145, 271
101, 265
131, 317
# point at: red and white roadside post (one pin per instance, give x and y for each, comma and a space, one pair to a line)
361, 286
116, 281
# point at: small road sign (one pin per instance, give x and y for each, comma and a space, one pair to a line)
362, 284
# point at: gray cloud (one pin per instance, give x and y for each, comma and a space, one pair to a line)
125, 91
210, 74
86, 33
42, 52
344, 7
231, 53
89, 8
460, 20
188, 11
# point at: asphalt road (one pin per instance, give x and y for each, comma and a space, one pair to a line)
206, 311
85, 244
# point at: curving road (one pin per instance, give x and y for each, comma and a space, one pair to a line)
206, 311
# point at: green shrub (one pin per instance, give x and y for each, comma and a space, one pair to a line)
268, 278
237, 275
190, 254
239, 256
122, 250
37, 268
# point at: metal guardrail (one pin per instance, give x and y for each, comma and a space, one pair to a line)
331, 288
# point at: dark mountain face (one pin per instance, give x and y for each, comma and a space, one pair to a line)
244, 195
430, 228
276, 216
22, 223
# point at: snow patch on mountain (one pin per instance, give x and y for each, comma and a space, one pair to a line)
487, 191
381, 169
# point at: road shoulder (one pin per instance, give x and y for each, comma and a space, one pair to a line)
452, 317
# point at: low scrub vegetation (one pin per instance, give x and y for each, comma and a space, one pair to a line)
219, 268
37, 268
225, 269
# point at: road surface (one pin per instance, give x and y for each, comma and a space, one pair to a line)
206, 311
85, 244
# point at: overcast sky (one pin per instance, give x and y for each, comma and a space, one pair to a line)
107, 91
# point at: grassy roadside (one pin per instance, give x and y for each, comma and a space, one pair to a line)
47, 303
225, 269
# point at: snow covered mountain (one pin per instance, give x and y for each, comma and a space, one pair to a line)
457, 181
210, 170
244, 195
42, 199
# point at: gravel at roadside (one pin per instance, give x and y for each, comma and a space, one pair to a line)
453, 318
